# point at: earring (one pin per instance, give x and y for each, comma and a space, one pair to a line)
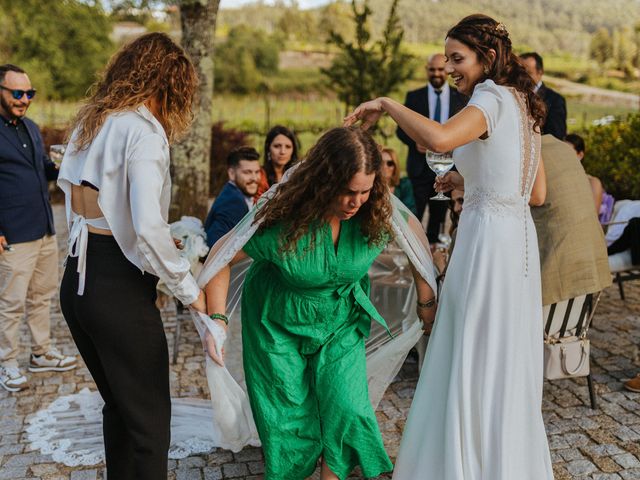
486, 70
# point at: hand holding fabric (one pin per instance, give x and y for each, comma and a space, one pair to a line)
427, 316
214, 339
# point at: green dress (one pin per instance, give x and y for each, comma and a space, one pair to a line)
305, 316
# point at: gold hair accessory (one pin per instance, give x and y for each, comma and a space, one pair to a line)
500, 27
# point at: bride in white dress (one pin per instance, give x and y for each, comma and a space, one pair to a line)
476, 414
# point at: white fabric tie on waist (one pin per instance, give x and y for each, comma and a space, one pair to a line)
78, 241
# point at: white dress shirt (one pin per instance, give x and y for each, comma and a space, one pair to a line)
128, 162
445, 95
537, 87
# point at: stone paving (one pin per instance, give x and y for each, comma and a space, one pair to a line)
602, 444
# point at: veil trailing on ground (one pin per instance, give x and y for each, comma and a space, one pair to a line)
232, 418
70, 428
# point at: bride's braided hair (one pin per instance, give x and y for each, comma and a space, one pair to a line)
483, 34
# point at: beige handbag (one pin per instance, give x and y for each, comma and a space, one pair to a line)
566, 357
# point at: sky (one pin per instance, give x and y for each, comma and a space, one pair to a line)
302, 3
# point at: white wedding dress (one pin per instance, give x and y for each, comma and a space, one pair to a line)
476, 414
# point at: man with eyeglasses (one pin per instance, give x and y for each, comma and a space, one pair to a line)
28, 248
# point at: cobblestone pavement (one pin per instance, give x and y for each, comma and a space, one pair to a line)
602, 444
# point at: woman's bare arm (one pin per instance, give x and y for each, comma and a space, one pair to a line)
539, 190
464, 127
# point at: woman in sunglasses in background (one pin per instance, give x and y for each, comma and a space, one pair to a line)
399, 186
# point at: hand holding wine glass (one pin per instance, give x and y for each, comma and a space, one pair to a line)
440, 163
56, 154
449, 181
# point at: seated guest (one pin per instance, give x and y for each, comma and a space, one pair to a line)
629, 240
573, 254
603, 201
236, 198
628, 210
400, 187
280, 153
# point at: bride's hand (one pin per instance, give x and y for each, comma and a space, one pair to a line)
369, 112
449, 181
211, 343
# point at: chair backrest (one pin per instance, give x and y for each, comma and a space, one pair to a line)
569, 318
616, 208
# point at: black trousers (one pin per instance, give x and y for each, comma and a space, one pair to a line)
118, 331
630, 239
422, 191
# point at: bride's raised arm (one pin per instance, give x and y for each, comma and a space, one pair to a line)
464, 127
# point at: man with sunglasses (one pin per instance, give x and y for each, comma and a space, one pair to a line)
28, 248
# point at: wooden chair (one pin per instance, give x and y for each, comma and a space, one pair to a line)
571, 318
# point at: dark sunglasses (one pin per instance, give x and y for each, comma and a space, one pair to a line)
18, 94
390, 163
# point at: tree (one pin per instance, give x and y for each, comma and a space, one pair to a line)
601, 48
60, 44
191, 155
624, 50
334, 17
244, 58
364, 69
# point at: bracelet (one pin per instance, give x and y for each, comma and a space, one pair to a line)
220, 316
428, 304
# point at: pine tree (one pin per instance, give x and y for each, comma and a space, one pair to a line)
364, 69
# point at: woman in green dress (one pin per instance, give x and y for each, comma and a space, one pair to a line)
306, 311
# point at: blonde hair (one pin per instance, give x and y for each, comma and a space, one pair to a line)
152, 66
394, 181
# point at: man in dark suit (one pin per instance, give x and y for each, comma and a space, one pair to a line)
556, 122
437, 101
28, 248
236, 197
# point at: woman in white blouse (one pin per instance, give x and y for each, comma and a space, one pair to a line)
115, 176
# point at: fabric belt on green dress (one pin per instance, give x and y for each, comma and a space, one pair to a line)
363, 300
355, 289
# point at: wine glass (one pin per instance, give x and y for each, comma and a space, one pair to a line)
400, 259
56, 153
444, 239
440, 163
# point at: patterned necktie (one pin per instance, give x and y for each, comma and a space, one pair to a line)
438, 111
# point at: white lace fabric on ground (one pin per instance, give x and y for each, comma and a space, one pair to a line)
70, 429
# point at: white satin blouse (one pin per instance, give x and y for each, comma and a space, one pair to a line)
128, 162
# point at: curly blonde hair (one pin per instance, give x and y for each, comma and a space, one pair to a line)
152, 66
306, 199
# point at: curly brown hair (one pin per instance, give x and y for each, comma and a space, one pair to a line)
481, 34
152, 66
306, 198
